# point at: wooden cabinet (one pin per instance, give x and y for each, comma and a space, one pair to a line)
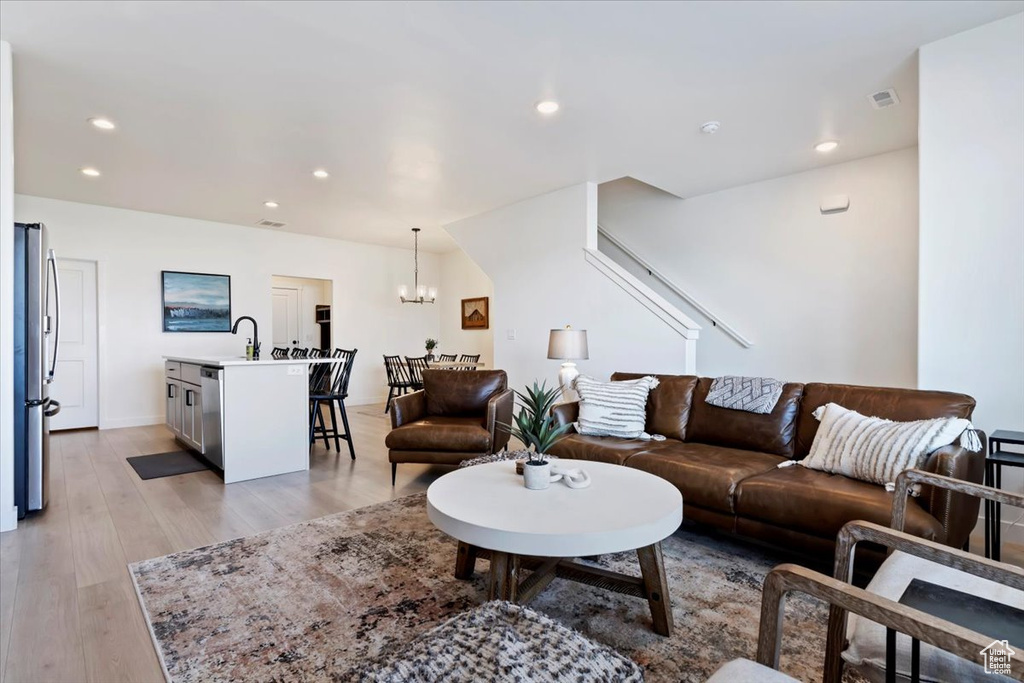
184, 404
172, 395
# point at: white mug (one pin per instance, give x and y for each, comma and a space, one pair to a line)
538, 477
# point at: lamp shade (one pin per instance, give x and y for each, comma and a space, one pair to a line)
568, 344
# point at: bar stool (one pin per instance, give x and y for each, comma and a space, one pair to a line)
330, 387
279, 353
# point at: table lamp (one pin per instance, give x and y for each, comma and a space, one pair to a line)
568, 345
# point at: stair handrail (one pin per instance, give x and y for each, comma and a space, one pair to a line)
663, 279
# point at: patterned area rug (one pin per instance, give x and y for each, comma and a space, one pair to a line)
313, 601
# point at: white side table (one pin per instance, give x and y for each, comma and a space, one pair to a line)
486, 507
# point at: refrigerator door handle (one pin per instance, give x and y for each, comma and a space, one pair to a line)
51, 267
52, 408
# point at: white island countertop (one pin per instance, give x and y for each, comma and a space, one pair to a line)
225, 361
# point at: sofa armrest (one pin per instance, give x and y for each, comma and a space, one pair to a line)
499, 418
566, 413
408, 408
957, 512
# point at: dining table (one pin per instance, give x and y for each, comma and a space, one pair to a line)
455, 365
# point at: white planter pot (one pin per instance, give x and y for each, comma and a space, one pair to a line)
538, 477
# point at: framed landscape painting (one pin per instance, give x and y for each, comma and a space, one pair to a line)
474, 313
196, 302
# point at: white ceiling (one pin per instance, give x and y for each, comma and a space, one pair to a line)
423, 111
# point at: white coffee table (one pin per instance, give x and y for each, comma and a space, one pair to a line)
486, 507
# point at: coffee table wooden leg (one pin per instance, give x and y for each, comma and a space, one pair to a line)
652, 567
504, 576
465, 561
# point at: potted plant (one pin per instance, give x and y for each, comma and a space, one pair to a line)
431, 344
536, 428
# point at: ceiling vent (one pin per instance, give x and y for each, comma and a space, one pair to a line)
884, 98
264, 223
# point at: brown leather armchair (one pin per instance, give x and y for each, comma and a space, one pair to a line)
456, 416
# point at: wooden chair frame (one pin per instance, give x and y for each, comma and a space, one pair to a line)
955, 639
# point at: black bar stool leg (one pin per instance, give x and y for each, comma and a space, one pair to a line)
348, 431
312, 421
322, 430
334, 426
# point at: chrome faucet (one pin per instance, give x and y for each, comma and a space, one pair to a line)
255, 335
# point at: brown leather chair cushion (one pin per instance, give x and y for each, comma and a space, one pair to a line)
772, 433
609, 449
903, 405
820, 504
453, 393
458, 434
668, 404
706, 475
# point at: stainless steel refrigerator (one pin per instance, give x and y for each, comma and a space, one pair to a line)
36, 333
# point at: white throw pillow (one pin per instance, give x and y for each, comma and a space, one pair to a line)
876, 450
613, 408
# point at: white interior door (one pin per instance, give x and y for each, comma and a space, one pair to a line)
75, 380
285, 317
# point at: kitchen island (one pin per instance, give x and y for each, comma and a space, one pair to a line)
249, 418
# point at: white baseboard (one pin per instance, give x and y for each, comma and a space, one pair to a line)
9, 519
1011, 534
121, 422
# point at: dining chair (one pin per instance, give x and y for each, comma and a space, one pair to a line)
470, 358
398, 379
279, 353
447, 358
416, 367
333, 390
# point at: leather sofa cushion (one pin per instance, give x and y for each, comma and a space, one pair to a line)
819, 503
902, 405
454, 394
458, 434
706, 475
668, 404
608, 449
773, 433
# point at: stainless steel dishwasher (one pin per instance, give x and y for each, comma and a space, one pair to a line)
213, 418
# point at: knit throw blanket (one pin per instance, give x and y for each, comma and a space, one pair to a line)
751, 394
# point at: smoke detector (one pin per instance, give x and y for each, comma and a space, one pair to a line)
884, 98
264, 223
710, 128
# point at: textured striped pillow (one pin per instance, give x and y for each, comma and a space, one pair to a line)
613, 408
873, 449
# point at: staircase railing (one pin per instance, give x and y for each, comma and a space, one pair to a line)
671, 286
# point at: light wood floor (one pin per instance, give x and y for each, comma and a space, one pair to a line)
68, 611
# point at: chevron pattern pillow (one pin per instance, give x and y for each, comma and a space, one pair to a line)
750, 394
613, 408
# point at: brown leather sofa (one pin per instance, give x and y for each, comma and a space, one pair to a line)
456, 416
725, 462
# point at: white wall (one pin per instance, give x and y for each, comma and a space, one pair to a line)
311, 293
533, 253
132, 247
461, 278
8, 513
824, 298
971, 136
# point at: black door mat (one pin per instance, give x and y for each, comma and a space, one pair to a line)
166, 464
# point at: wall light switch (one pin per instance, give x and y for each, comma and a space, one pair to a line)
296, 370
510, 334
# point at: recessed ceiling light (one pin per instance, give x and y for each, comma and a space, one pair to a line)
271, 205
320, 173
102, 123
826, 146
710, 127
547, 107
89, 171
